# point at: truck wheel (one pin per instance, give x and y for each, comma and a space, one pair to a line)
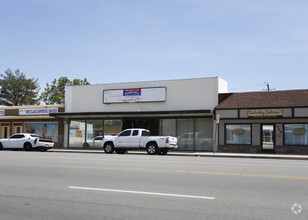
152, 148
109, 148
162, 151
1, 146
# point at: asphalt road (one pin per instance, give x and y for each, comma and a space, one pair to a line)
47, 185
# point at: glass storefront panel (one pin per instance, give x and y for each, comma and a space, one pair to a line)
94, 133
77, 135
194, 134
44, 129
185, 134
238, 134
168, 127
204, 134
296, 134
151, 124
112, 127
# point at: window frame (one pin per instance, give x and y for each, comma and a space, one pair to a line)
124, 132
225, 133
283, 129
145, 132
17, 136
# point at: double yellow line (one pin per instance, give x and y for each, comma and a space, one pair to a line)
158, 171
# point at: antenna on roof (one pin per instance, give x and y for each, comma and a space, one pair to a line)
268, 87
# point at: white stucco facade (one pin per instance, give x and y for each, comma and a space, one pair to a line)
180, 95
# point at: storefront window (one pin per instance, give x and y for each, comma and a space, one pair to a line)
112, 127
77, 133
204, 134
44, 129
185, 133
238, 134
168, 127
295, 134
94, 133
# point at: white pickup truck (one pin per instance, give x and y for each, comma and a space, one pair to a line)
138, 138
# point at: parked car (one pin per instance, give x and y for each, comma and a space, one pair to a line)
27, 142
96, 142
191, 140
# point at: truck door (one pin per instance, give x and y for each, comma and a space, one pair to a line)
123, 139
134, 139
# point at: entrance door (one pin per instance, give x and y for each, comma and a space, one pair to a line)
5, 131
152, 124
17, 129
268, 138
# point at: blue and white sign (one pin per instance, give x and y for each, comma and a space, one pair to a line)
2, 112
131, 92
157, 94
38, 111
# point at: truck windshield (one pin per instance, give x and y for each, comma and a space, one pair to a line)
145, 133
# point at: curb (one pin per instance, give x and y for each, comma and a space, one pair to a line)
197, 154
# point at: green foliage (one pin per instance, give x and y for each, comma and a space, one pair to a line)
17, 90
55, 93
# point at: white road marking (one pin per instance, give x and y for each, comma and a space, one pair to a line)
140, 192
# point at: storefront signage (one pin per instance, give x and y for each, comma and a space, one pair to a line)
238, 131
131, 92
157, 94
299, 131
38, 111
79, 133
264, 112
44, 129
2, 112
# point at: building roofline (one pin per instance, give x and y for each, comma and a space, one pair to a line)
147, 81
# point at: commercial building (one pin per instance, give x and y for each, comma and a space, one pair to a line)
32, 119
200, 112
182, 108
271, 121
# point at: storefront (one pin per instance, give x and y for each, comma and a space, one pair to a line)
255, 122
182, 108
32, 119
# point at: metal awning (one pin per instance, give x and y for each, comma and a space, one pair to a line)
132, 114
17, 117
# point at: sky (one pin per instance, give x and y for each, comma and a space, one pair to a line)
248, 43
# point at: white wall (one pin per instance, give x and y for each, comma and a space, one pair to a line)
186, 94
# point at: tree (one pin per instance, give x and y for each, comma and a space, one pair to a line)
17, 90
55, 93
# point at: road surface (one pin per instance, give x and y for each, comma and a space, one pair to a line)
48, 185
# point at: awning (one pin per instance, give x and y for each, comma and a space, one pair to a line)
137, 114
32, 117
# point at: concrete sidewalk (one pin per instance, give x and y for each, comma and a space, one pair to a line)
195, 154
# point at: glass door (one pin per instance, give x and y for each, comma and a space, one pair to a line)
268, 138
